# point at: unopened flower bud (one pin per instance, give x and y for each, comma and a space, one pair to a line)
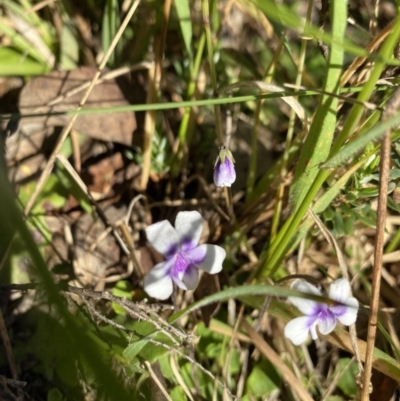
224, 169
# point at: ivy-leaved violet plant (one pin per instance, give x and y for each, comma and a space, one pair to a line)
319, 314
183, 256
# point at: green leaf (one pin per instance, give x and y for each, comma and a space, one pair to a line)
132, 350
348, 223
123, 289
263, 379
185, 22
111, 24
338, 223
16, 63
55, 395
355, 146
177, 394
348, 372
319, 139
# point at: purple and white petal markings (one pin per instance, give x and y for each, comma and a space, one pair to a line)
183, 256
318, 314
224, 169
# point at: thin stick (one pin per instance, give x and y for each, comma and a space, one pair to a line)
49, 166
392, 106
157, 381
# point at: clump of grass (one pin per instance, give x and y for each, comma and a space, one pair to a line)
297, 94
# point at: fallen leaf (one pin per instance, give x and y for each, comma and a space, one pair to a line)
36, 96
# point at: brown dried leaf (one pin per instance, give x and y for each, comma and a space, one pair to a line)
38, 93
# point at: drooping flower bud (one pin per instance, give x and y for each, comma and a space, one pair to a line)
224, 169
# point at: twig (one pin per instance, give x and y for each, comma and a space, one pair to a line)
391, 108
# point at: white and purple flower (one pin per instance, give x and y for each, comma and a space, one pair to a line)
183, 256
224, 169
319, 314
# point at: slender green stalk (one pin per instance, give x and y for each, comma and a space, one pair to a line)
185, 129
210, 54
269, 72
289, 135
169, 105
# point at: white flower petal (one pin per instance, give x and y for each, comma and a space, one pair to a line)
326, 323
297, 329
313, 330
306, 306
339, 290
163, 237
208, 257
158, 283
350, 315
189, 226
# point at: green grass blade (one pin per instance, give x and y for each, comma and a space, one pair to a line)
111, 23
319, 139
276, 253
14, 63
353, 147
19, 42
185, 22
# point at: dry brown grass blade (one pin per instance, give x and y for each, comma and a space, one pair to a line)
152, 97
361, 59
49, 166
391, 107
272, 356
340, 338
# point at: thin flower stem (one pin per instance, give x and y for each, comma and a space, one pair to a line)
229, 200
290, 131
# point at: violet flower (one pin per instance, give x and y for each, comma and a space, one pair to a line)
224, 169
319, 314
183, 256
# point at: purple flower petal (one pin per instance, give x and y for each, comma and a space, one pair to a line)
189, 226
180, 264
191, 277
163, 237
208, 257
224, 172
326, 321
